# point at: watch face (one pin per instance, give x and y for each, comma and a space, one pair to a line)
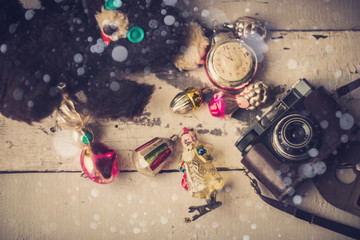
231, 64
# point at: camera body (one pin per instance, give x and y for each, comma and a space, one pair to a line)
292, 141
340, 184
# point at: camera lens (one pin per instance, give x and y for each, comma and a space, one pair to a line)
293, 136
297, 132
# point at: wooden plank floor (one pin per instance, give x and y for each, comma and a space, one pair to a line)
330, 61
316, 40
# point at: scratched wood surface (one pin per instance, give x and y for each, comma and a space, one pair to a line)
317, 40
278, 15
330, 61
136, 207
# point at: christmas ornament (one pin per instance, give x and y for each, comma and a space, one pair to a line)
231, 62
200, 178
135, 34
113, 4
98, 161
255, 95
224, 104
188, 100
248, 28
153, 156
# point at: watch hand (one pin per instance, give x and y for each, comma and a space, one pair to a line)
229, 56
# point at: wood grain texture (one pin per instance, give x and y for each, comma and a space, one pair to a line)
65, 206
317, 40
280, 15
330, 61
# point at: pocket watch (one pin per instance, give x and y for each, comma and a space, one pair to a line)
231, 63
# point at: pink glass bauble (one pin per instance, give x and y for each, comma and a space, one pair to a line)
223, 105
99, 163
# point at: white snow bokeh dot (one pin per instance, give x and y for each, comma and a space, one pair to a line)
66, 143
310, 170
3, 48
80, 71
129, 197
215, 224
46, 78
347, 121
119, 53
338, 73
292, 64
169, 20
170, 2
117, 3
29, 14
338, 114
329, 49
78, 58
113, 229
297, 199
31, 104
99, 47
153, 24
307, 171
344, 138
205, 13
136, 230
287, 181
313, 152
320, 168
114, 86
95, 193
174, 197
18, 94
324, 124
164, 220
93, 225
12, 28
96, 217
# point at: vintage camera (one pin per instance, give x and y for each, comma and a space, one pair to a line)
293, 140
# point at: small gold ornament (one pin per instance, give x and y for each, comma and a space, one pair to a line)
188, 100
247, 27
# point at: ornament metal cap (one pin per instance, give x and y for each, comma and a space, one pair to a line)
135, 34
113, 4
247, 27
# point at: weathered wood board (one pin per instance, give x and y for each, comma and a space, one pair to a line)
331, 61
316, 40
278, 15
282, 15
65, 206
